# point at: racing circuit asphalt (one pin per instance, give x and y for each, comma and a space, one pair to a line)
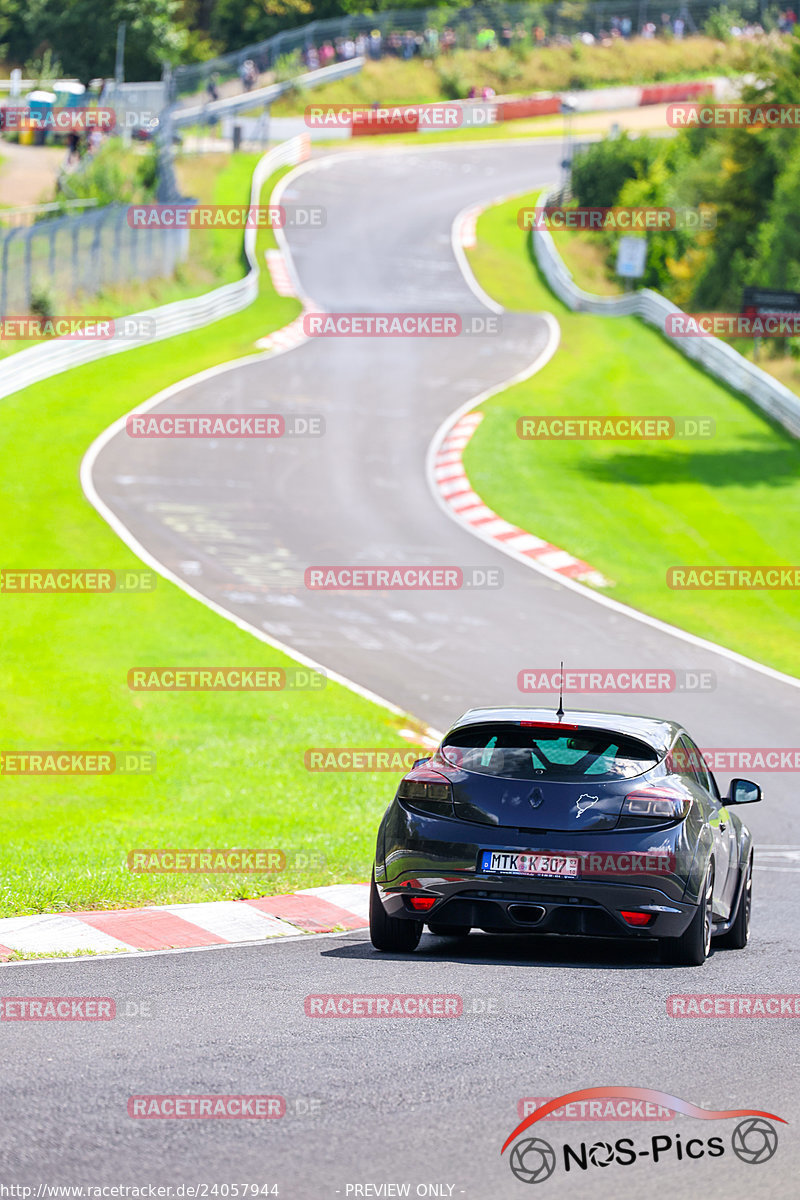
399, 1101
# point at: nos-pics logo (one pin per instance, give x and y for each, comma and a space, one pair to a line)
533, 1160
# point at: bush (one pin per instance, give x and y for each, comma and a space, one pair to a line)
453, 84
720, 21
41, 303
600, 171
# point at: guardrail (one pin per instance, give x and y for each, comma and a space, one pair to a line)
39, 363
203, 113
716, 356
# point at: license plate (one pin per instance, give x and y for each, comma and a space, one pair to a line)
553, 866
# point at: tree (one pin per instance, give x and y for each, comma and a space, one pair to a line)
83, 35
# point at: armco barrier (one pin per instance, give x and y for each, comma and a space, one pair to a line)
202, 113
531, 106
665, 93
39, 363
716, 356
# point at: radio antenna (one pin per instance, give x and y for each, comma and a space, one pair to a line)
560, 712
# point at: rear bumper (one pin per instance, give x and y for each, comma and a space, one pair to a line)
549, 907
429, 856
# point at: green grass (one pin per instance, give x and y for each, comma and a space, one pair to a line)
632, 509
215, 257
230, 768
551, 68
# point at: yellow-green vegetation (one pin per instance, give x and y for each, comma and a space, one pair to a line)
633, 509
551, 68
230, 766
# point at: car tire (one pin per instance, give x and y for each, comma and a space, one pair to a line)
450, 931
692, 948
390, 933
738, 935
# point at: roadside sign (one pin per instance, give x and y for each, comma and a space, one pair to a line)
769, 300
631, 255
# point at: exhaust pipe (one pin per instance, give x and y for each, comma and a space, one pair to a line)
526, 914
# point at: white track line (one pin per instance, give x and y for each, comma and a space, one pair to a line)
597, 598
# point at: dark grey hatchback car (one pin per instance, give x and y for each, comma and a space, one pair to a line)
585, 823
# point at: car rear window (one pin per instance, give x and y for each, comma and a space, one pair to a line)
531, 752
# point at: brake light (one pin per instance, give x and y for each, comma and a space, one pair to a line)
427, 790
421, 903
657, 804
547, 725
636, 918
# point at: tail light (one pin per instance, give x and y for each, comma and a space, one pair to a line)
636, 918
657, 804
428, 791
421, 903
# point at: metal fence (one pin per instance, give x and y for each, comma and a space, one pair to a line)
564, 19
74, 255
39, 363
716, 356
57, 259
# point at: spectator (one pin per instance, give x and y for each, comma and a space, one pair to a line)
361, 46
248, 74
506, 36
375, 44
431, 42
448, 40
678, 28
409, 45
211, 88
73, 147
626, 25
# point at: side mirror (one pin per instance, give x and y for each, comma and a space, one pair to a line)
420, 761
743, 791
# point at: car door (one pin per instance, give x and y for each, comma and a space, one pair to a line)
720, 824
728, 827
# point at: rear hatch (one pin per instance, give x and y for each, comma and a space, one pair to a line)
538, 776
